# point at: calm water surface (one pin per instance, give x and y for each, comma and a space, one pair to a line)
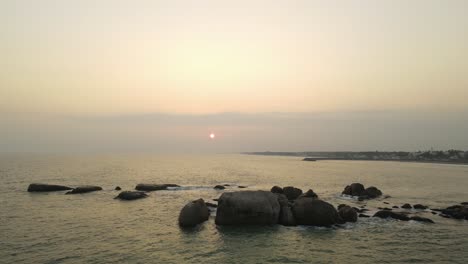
94, 228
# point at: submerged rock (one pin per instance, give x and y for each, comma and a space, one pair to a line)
372, 192
193, 213
40, 187
390, 214
85, 189
219, 187
421, 219
309, 159
118, 188
131, 195
248, 208
153, 187
311, 211
364, 215
241, 187
348, 214
292, 192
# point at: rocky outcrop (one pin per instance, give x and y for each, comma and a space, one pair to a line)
456, 211
311, 211
348, 214
153, 187
248, 208
193, 213
357, 189
390, 214
40, 187
85, 189
292, 193
131, 195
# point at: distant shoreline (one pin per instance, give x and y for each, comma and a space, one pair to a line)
285, 154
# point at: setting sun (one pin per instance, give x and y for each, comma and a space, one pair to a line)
212, 136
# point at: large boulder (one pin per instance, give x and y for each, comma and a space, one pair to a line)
153, 187
193, 213
292, 192
84, 189
390, 214
39, 187
131, 195
312, 211
372, 192
248, 208
348, 214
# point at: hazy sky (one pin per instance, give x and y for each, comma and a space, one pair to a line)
114, 75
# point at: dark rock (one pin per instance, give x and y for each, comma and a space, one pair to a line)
386, 202
434, 213
419, 206
457, 211
292, 192
39, 187
219, 187
309, 159
248, 208
211, 204
84, 189
445, 216
276, 189
131, 195
153, 187
227, 185
406, 206
364, 215
193, 213
341, 206
348, 214
310, 193
421, 219
390, 214
373, 192
286, 216
355, 189
311, 211
241, 187
396, 207
118, 188
464, 203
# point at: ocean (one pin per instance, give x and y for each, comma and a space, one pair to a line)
95, 228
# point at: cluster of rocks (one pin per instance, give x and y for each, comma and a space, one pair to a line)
358, 190
287, 206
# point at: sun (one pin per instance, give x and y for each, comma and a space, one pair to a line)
212, 135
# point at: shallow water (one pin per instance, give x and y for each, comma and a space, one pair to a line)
94, 228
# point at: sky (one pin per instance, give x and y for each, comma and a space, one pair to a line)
160, 76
